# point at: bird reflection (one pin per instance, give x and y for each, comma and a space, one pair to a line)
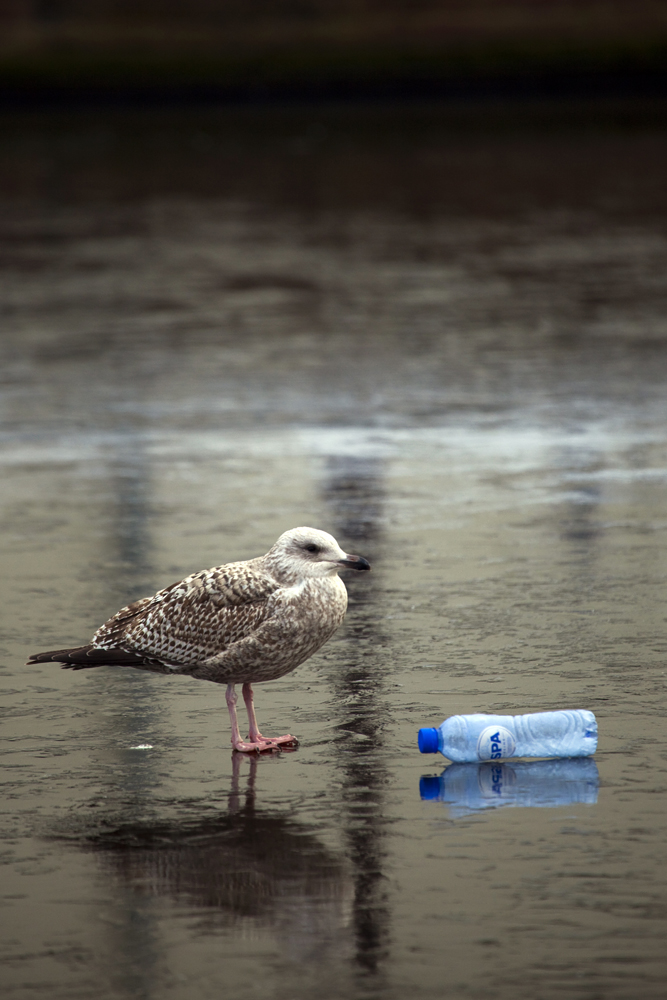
245, 865
353, 491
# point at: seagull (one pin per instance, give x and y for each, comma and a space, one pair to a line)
240, 623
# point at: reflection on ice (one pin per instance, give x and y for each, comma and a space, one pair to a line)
467, 788
244, 866
354, 492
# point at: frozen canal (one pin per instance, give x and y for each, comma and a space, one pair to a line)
446, 343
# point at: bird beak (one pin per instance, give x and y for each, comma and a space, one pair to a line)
354, 562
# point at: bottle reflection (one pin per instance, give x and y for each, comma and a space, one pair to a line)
247, 866
467, 788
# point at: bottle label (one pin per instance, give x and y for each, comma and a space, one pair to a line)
495, 742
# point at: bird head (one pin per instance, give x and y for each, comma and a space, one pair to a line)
309, 552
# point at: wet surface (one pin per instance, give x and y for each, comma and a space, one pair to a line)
446, 346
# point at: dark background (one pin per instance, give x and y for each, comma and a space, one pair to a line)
55, 49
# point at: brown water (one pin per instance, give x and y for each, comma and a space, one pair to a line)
445, 343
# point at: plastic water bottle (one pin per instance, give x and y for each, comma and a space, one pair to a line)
469, 738
469, 788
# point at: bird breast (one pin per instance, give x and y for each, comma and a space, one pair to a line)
317, 603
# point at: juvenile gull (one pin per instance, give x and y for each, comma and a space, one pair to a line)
240, 623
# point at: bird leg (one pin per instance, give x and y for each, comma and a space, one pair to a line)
231, 698
256, 743
254, 735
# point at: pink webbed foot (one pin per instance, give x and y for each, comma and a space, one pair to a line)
265, 744
286, 742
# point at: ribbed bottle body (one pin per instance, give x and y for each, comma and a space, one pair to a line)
477, 737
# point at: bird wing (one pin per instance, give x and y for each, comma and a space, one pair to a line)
195, 618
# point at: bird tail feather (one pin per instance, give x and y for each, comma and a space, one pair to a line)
81, 657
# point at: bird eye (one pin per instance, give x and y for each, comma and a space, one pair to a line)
312, 548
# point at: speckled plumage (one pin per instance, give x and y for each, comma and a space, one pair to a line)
242, 622
229, 624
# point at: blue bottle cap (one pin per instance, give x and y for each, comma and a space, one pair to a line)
429, 787
428, 740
